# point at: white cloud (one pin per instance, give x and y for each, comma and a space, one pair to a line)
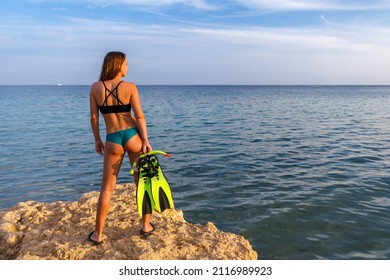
294, 5
162, 54
179, 55
198, 4
264, 5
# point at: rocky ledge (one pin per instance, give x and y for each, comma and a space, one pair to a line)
59, 230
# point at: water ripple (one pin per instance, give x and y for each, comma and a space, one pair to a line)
302, 172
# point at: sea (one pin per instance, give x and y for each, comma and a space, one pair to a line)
302, 172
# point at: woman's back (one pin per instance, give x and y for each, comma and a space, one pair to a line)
113, 98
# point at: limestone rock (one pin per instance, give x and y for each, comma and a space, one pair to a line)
59, 230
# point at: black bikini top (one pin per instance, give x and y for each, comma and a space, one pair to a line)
108, 109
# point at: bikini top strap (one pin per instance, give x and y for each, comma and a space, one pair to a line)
111, 92
116, 95
116, 88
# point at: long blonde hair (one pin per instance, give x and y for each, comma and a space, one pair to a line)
112, 64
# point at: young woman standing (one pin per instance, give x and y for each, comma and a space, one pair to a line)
116, 99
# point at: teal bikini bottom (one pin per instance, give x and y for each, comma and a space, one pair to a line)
122, 136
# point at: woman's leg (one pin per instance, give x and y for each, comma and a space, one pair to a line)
113, 156
133, 147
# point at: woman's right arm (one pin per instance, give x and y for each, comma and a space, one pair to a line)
140, 119
94, 114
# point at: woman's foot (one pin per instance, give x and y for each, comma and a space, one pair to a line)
146, 231
91, 238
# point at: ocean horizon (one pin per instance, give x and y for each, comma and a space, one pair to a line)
194, 85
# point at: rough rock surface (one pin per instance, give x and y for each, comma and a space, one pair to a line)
59, 230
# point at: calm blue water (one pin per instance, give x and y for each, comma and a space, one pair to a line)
303, 172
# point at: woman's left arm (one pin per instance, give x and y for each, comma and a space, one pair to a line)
94, 114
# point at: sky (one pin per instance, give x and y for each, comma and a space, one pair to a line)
197, 42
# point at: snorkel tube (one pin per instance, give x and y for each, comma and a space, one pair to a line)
134, 168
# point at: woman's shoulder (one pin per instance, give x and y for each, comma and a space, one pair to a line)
130, 86
96, 85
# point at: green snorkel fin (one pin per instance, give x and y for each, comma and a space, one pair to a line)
153, 192
145, 202
161, 191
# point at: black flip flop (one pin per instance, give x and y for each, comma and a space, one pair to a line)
94, 242
147, 233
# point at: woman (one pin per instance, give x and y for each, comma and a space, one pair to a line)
115, 98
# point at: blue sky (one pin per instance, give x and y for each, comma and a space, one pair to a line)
197, 41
